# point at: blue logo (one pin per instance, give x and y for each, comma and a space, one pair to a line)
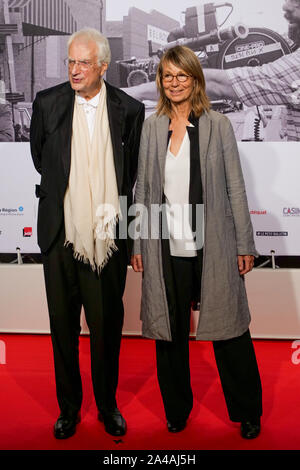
21, 208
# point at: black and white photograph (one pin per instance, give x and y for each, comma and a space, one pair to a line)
248, 50
250, 56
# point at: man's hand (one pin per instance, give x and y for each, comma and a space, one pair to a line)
218, 85
245, 263
137, 263
144, 91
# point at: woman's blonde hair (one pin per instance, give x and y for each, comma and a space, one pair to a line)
185, 59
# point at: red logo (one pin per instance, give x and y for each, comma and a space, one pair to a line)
27, 231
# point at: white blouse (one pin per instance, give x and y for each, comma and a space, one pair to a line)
176, 190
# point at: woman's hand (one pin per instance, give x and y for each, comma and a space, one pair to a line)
245, 263
137, 263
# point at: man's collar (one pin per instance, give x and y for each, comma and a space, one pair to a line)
92, 102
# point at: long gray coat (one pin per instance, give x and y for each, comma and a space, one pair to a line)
224, 311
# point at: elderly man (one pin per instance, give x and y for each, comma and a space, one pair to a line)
84, 142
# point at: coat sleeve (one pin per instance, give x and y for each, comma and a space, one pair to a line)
236, 192
139, 197
36, 133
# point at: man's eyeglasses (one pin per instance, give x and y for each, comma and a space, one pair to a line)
82, 64
180, 77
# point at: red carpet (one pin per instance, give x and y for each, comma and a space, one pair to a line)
28, 407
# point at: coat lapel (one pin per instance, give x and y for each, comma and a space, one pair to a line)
67, 101
162, 127
116, 119
204, 139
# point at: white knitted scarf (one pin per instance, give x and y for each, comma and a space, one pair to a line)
91, 204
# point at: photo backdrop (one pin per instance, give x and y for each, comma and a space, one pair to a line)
33, 38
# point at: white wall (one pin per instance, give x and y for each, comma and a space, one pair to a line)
274, 298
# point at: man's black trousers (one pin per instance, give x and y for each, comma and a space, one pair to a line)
71, 284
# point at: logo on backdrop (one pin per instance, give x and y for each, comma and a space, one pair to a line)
12, 210
272, 234
260, 212
27, 231
291, 211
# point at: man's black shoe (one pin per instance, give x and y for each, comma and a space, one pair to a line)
250, 430
114, 422
176, 426
65, 426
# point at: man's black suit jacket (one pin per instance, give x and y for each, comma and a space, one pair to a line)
50, 138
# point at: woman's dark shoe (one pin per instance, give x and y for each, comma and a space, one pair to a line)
65, 426
177, 426
249, 429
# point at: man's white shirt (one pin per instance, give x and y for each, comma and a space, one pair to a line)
90, 108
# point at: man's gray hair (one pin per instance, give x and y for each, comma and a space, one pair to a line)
91, 34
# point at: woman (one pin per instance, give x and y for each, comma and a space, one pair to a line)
189, 156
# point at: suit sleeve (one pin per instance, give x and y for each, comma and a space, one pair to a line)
236, 192
36, 134
134, 143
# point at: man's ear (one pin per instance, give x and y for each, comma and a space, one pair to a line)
104, 67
